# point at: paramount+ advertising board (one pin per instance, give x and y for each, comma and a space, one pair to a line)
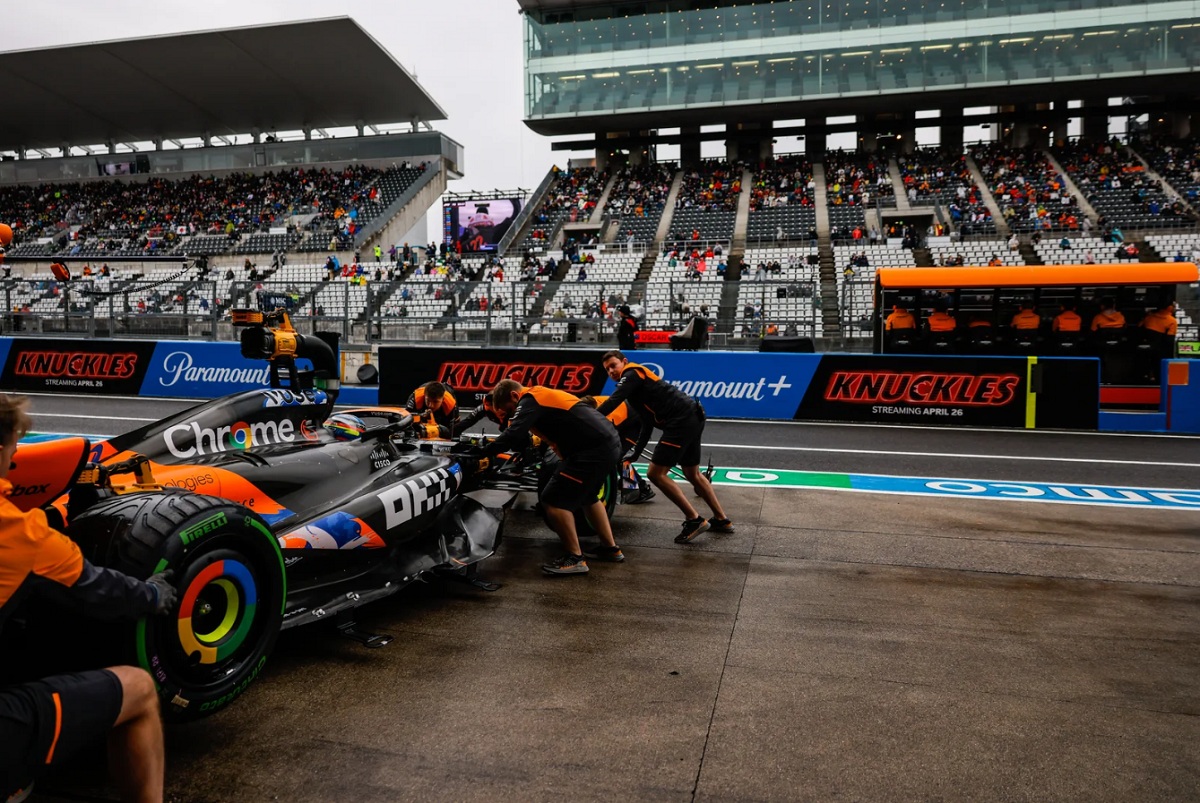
471, 373
76, 366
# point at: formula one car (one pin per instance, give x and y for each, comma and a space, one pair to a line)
272, 511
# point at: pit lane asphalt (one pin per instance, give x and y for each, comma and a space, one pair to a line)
1080, 458
838, 646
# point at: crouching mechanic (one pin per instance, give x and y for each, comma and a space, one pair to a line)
681, 419
433, 403
634, 433
589, 448
44, 722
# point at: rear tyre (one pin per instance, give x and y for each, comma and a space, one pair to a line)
231, 582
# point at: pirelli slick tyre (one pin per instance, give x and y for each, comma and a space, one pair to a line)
608, 494
229, 573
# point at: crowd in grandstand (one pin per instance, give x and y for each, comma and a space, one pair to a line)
1029, 190
785, 181
714, 185
115, 216
1105, 168
641, 189
855, 181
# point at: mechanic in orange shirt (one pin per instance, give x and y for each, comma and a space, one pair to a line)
941, 320
1027, 318
1161, 320
433, 403
900, 319
1109, 317
1068, 319
44, 722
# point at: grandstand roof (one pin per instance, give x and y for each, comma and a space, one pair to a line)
231, 81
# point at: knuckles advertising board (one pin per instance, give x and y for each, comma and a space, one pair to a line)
471, 373
76, 366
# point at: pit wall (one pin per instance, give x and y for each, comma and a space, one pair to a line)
1011, 392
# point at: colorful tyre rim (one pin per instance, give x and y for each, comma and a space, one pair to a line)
217, 611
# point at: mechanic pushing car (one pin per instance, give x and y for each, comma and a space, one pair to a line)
44, 722
589, 447
433, 403
681, 419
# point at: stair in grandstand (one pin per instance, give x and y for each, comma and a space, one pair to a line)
668, 214
647, 266
741, 221
1084, 204
898, 186
598, 212
1030, 254
728, 309
989, 200
538, 308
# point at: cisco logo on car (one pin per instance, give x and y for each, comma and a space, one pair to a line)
707, 389
179, 365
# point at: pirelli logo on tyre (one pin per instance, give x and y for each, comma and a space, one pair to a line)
212, 523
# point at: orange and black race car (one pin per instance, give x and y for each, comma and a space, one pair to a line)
273, 512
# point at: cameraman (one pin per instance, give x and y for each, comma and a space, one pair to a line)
44, 722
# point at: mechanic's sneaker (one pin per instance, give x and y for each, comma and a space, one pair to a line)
720, 526
642, 495
567, 564
691, 528
606, 554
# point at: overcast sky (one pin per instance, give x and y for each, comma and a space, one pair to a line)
465, 53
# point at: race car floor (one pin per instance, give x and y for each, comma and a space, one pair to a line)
838, 646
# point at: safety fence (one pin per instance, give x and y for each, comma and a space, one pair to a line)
418, 309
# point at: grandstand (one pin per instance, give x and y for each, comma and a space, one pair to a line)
799, 234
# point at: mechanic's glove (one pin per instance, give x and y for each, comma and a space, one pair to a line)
165, 596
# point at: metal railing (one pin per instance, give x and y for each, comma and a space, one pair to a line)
416, 310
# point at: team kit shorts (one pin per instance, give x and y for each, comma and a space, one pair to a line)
679, 444
45, 722
577, 483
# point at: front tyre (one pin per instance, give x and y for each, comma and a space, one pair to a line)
231, 583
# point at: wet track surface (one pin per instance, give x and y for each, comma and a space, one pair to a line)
838, 646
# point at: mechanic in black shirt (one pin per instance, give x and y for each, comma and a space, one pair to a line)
433, 403
681, 419
42, 723
589, 448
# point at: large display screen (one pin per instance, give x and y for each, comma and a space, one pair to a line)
478, 224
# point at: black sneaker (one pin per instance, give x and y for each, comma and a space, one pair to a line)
691, 528
641, 496
567, 564
607, 554
720, 526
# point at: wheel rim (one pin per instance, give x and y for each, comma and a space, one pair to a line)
217, 611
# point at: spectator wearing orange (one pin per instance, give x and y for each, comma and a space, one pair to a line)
900, 318
1027, 318
1162, 320
995, 262
1109, 317
1067, 320
941, 320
